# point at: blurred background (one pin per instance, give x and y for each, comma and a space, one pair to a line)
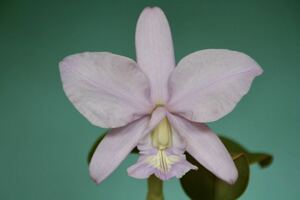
44, 141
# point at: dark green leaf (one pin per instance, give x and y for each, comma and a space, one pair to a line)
198, 184
202, 184
263, 159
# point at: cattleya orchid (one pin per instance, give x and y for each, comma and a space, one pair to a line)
155, 106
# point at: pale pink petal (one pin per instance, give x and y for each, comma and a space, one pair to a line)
207, 85
109, 90
115, 147
154, 50
119, 142
206, 148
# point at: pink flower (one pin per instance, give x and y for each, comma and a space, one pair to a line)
156, 106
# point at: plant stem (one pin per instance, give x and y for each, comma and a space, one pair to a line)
155, 188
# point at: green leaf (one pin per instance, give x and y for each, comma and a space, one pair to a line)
263, 159
202, 184
155, 188
198, 184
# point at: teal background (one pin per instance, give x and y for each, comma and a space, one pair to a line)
44, 141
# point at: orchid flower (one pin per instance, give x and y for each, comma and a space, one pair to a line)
155, 106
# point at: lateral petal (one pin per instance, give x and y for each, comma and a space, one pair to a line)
206, 85
108, 89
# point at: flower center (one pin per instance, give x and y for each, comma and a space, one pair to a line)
162, 135
162, 139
